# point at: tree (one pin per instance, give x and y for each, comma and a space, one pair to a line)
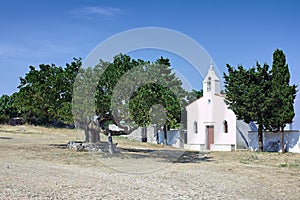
111, 97
7, 108
45, 94
128, 93
84, 108
160, 102
248, 94
93, 97
282, 95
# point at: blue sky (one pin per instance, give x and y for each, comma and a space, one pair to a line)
234, 32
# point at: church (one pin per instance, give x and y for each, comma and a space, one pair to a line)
210, 124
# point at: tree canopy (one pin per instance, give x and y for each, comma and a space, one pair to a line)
282, 96
128, 93
261, 95
45, 94
7, 108
247, 92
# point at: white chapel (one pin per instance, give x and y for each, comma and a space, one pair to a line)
210, 124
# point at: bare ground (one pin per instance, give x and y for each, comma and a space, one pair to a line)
36, 165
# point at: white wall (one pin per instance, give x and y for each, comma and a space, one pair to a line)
221, 113
175, 138
242, 138
192, 115
270, 140
138, 134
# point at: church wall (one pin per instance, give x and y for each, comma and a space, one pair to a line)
221, 114
207, 114
193, 115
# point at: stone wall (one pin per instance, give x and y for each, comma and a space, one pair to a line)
144, 134
175, 138
272, 141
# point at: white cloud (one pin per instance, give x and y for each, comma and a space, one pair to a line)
33, 50
97, 10
11, 49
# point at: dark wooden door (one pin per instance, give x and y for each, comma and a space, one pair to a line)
210, 136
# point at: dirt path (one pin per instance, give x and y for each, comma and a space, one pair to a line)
32, 167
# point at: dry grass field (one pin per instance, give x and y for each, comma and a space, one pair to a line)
35, 164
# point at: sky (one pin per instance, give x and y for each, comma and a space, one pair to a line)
236, 32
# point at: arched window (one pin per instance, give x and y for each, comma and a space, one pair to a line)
225, 126
209, 84
195, 127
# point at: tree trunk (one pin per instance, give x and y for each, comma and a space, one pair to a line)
165, 135
260, 137
282, 139
92, 133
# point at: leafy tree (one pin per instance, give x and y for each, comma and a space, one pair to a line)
93, 96
248, 94
84, 106
45, 94
7, 108
159, 102
127, 93
112, 91
282, 95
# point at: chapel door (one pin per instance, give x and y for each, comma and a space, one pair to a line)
210, 136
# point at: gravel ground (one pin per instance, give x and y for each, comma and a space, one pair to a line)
35, 165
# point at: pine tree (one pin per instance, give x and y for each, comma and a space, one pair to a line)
282, 95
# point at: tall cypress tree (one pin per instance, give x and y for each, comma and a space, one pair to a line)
282, 95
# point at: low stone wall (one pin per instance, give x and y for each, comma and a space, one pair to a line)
272, 141
103, 147
175, 138
144, 134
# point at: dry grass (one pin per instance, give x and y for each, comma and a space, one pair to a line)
49, 144
36, 165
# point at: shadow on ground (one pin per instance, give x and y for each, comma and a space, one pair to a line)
193, 157
5, 138
161, 155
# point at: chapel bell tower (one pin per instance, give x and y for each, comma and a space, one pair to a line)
211, 83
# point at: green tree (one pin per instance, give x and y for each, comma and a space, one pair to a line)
282, 95
126, 93
45, 94
248, 94
93, 96
160, 102
112, 91
7, 108
84, 103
